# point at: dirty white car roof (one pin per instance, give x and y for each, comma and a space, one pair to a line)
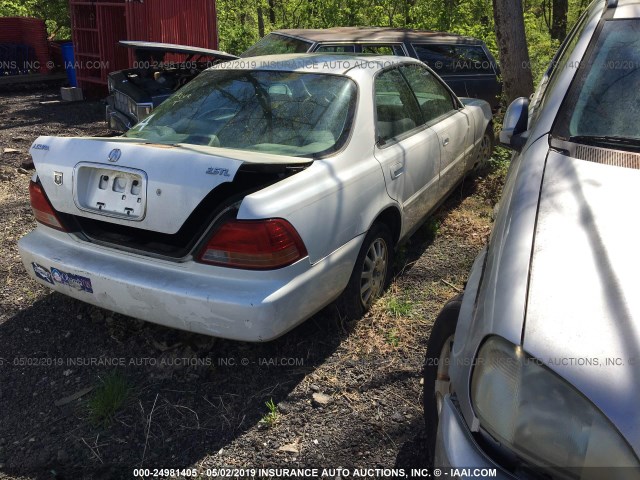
337, 64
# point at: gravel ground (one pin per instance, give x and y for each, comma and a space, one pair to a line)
344, 394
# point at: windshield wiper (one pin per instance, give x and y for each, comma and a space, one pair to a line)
629, 143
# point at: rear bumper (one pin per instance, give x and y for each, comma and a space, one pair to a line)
228, 303
456, 451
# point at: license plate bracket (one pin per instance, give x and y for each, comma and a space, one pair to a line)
111, 191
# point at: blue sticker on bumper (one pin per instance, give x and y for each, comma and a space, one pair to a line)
74, 281
42, 273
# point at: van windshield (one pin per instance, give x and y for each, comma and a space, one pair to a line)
284, 113
603, 104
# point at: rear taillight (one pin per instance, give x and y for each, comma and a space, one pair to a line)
42, 209
254, 244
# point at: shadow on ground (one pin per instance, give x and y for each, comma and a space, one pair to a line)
190, 395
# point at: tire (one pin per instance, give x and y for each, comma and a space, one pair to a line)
486, 148
373, 268
436, 369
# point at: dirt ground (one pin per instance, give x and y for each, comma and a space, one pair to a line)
198, 402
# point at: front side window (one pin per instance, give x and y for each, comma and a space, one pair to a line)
603, 103
276, 44
284, 113
397, 111
455, 59
434, 99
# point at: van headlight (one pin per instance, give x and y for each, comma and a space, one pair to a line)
541, 418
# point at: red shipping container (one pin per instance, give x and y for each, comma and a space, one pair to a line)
27, 31
98, 26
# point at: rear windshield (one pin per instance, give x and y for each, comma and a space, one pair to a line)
455, 59
275, 44
284, 113
604, 99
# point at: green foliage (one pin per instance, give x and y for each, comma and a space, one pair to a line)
109, 398
238, 21
541, 46
500, 159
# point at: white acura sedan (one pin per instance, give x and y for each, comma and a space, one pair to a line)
256, 195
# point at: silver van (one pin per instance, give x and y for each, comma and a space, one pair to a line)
533, 371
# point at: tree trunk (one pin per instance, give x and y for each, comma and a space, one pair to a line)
559, 23
260, 23
512, 45
272, 12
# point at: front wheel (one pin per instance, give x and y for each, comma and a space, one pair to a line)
485, 150
371, 273
437, 383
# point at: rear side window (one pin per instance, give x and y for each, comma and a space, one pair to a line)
336, 48
383, 50
396, 109
455, 59
434, 99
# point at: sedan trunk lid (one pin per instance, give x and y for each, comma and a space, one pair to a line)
129, 182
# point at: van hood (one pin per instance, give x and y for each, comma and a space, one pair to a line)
130, 182
583, 310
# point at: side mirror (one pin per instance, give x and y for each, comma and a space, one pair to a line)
515, 124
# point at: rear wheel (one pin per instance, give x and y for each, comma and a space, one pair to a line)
371, 273
437, 383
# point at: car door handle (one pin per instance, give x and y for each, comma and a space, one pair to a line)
445, 142
397, 170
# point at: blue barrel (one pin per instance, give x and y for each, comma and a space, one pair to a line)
69, 63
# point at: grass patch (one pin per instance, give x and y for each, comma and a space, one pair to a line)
109, 398
272, 416
399, 307
392, 337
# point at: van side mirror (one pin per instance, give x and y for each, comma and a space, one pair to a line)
515, 124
